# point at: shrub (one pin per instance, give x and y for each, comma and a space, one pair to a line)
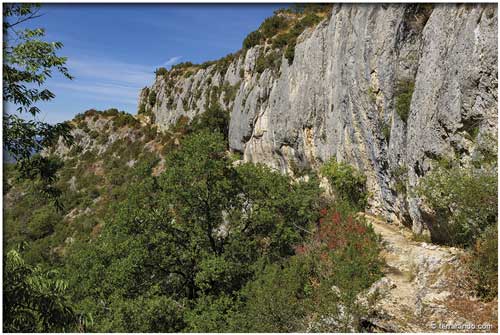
142, 109
270, 61
320, 282
275, 300
346, 257
463, 201
230, 92
272, 25
124, 119
223, 64
161, 71
152, 98
215, 119
386, 132
253, 39
348, 183
280, 41
290, 53
42, 222
183, 65
111, 112
404, 93
400, 176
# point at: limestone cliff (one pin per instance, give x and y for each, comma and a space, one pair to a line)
343, 95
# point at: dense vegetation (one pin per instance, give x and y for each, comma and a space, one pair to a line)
464, 201
28, 60
149, 231
203, 241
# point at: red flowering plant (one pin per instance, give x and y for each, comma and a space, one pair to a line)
344, 256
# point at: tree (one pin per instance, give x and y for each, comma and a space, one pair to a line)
215, 118
28, 62
34, 300
191, 236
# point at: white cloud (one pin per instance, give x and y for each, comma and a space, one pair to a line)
103, 91
105, 70
172, 61
107, 80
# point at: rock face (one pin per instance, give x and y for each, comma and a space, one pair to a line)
340, 94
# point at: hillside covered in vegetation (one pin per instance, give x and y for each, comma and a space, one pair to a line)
237, 200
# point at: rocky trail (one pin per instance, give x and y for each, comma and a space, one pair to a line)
421, 290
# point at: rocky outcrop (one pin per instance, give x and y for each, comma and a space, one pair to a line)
343, 96
421, 290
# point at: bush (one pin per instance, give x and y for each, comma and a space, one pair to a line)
253, 39
463, 201
348, 183
404, 94
272, 25
152, 98
161, 71
347, 261
124, 119
270, 61
280, 41
275, 299
386, 132
142, 109
42, 222
215, 119
320, 282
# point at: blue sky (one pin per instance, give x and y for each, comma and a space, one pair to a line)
113, 49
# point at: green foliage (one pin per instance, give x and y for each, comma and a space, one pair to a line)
253, 39
302, 8
182, 65
211, 314
152, 98
191, 235
222, 64
124, 119
348, 183
404, 93
142, 109
347, 263
215, 118
34, 300
270, 61
230, 92
273, 25
386, 132
400, 176
322, 281
28, 61
463, 200
42, 222
289, 39
161, 71
275, 301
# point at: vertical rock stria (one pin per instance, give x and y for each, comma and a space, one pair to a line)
339, 97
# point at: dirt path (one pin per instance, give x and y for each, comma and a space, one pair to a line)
418, 291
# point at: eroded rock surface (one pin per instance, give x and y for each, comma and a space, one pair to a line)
338, 97
420, 291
